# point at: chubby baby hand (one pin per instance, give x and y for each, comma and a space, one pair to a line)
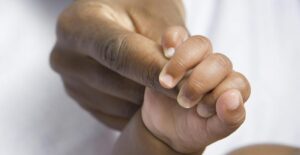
211, 95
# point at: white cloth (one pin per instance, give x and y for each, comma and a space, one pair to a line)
262, 39
260, 36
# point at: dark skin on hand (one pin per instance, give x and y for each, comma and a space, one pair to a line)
108, 51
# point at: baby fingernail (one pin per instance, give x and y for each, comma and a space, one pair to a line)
185, 100
169, 52
204, 110
167, 80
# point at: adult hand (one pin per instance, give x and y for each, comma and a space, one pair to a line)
108, 50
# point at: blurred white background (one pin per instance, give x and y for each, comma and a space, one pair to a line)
37, 117
260, 36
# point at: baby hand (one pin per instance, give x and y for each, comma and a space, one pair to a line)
211, 92
200, 75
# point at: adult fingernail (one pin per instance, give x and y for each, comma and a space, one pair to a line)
169, 52
204, 110
167, 80
234, 101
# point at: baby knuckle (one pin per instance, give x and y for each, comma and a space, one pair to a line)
243, 83
180, 64
204, 42
197, 86
222, 60
113, 52
240, 79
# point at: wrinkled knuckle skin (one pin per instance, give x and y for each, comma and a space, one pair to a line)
196, 86
223, 61
180, 64
113, 52
151, 74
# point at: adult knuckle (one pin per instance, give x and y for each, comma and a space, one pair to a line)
151, 73
65, 22
76, 13
61, 24
113, 51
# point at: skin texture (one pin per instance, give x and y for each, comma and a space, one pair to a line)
144, 141
183, 129
221, 113
187, 131
108, 51
200, 74
112, 50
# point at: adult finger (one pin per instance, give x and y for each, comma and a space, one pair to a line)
71, 64
114, 122
100, 101
101, 38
